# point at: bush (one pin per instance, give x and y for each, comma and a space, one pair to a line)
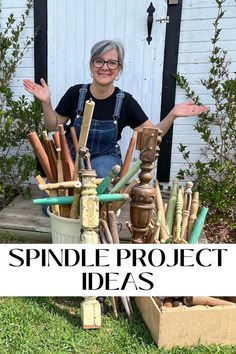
17, 116
215, 172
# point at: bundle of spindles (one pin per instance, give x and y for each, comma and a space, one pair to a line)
58, 166
54, 157
189, 301
55, 160
64, 192
51, 161
179, 220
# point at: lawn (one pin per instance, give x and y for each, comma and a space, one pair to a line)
52, 326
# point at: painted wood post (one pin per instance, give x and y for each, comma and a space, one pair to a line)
129, 154
56, 139
198, 226
157, 226
67, 163
164, 231
89, 214
74, 210
170, 213
179, 210
106, 182
64, 210
69, 199
193, 212
122, 182
41, 154
84, 132
49, 149
74, 138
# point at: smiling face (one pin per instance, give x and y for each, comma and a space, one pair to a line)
105, 76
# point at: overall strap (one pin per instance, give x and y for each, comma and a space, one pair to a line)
119, 100
82, 92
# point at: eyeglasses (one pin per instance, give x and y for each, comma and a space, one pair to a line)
99, 63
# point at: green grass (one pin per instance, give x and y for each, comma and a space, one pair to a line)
52, 326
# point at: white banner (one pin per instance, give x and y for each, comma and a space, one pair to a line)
117, 270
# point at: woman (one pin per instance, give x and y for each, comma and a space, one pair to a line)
114, 108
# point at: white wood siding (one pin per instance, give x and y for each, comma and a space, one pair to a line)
26, 67
194, 50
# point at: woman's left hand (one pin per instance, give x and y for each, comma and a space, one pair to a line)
188, 109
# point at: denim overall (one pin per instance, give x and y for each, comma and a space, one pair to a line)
102, 138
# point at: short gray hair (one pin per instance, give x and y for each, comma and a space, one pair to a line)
102, 47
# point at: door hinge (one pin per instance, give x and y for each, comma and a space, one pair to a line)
163, 19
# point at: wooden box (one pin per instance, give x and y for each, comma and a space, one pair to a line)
187, 326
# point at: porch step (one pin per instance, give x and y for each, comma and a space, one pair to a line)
22, 220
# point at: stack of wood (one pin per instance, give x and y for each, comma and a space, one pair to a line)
54, 157
189, 301
179, 220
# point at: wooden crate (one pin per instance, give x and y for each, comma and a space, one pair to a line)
187, 326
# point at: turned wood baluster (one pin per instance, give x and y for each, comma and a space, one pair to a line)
89, 216
186, 208
193, 212
143, 194
178, 216
89, 204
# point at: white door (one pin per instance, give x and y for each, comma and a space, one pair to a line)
75, 25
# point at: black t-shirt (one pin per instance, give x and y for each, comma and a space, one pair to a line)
131, 113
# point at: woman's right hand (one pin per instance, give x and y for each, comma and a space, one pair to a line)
40, 91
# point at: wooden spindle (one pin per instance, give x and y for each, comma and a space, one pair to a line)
179, 210
84, 132
129, 154
143, 194
74, 211
198, 226
41, 182
64, 209
164, 232
50, 154
41, 154
74, 139
193, 212
170, 213
67, 163
186, 209
56, 139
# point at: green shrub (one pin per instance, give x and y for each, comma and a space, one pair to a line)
17, 116
215, 172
